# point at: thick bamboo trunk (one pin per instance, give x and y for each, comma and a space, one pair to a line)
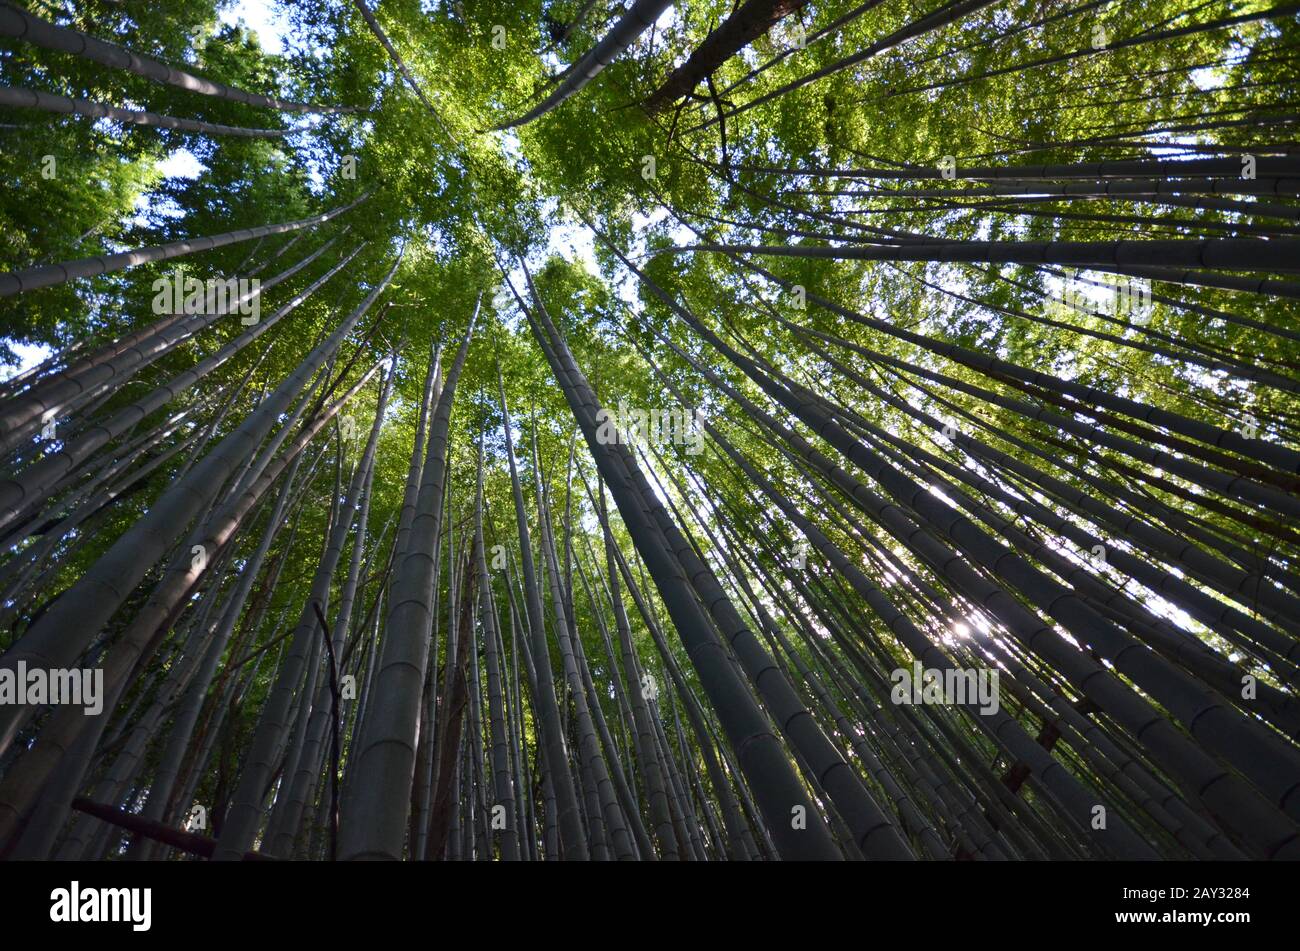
245, 814
24, 782
373, 824
636, 20
29, 279
16, 98
554, 750
77, 617
761, 756
298, 783
24, 26
746, 23
110, 366
18, 494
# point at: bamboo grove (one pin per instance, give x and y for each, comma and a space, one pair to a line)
554, 430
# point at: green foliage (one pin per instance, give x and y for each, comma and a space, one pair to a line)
471, 208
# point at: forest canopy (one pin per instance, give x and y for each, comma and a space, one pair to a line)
721, 429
